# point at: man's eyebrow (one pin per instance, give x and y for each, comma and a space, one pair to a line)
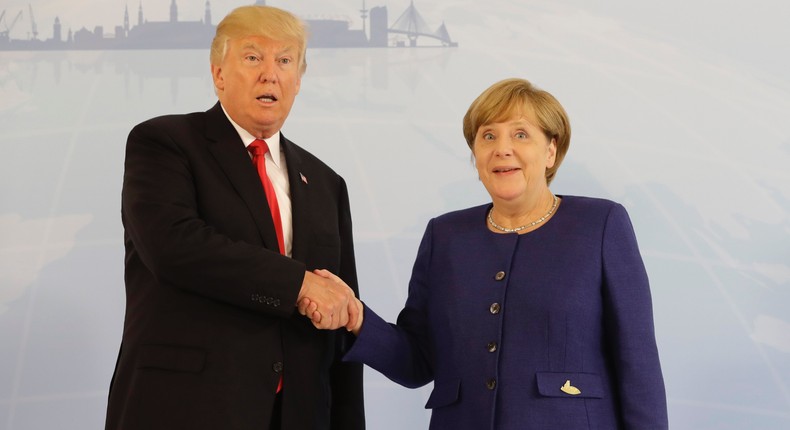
252, 45
286, 50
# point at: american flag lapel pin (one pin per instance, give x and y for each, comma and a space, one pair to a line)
304, 178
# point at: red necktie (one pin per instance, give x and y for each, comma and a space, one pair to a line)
258, 148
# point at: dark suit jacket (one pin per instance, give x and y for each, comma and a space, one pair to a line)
500, 322
210, 316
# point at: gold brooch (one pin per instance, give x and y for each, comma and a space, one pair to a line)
570, 389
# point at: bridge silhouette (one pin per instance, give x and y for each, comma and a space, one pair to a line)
412, 24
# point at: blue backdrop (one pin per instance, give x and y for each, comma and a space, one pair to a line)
679, 111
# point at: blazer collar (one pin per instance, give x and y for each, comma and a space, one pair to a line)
232, 157
300, 198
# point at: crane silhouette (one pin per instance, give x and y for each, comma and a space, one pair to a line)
8, 27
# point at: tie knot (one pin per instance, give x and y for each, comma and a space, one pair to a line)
258, 148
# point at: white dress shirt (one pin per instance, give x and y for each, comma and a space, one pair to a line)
278, 175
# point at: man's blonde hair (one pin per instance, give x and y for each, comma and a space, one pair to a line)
265, 21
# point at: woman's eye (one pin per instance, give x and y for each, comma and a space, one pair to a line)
521, 135
488, 136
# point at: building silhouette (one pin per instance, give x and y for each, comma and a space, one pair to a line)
179, 34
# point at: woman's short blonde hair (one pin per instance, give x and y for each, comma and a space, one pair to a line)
265, 21
512, 97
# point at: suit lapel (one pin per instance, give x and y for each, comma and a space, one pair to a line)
300, 199
228, 149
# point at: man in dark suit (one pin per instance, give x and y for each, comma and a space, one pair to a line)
214, 268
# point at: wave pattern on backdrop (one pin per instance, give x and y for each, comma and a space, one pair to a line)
669, 118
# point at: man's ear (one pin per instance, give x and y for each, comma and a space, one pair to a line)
219, 80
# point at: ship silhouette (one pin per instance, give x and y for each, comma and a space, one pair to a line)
176, 34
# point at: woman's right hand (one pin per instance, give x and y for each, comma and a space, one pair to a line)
309, 308
358, 326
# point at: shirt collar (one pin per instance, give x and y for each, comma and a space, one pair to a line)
272, 142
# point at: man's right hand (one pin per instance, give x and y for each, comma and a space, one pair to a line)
332, 303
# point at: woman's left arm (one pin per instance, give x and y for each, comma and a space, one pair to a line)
628, 317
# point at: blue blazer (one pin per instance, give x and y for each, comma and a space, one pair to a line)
549, 329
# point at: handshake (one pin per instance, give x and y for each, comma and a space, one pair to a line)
329, 302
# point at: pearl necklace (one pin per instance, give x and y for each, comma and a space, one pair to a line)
532, 224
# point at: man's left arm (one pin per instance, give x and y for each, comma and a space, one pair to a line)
348, 408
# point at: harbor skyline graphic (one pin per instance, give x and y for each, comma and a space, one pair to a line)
137, 31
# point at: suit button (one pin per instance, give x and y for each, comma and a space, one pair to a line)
491, 384
491, 346
499, 276
494, 308
277, 366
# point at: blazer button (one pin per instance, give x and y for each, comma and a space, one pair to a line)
499, 276
491, 384
277, 366
491, 346
494, 308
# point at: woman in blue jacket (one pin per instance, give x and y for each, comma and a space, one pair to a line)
529, 312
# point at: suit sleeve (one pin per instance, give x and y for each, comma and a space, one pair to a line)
167, 235
401, 351
348, 407
629, 326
